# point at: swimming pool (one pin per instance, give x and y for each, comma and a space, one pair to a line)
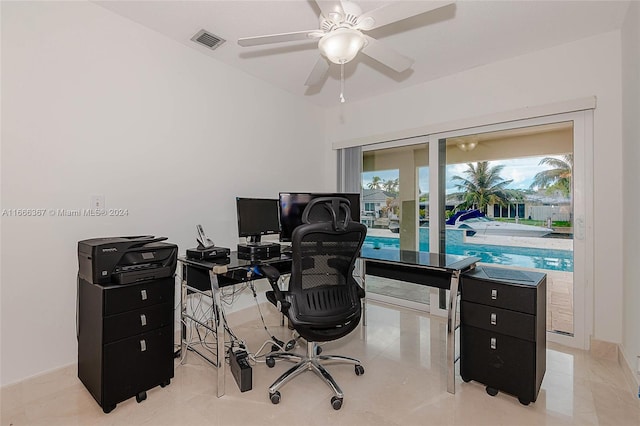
526, 257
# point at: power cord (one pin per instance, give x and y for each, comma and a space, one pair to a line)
277, 344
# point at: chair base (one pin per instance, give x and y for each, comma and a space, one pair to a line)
311, 362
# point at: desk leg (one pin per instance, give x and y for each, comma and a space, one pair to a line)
361, 268
219, 327
183, 311
451, 332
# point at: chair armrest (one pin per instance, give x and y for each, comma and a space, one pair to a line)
273, 275
270, 273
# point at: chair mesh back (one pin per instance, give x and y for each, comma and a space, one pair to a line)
326, 259
324, 256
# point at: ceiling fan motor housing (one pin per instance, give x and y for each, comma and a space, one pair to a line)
345, 18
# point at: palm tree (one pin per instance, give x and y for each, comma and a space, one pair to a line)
558, 178
483, 186
391, 185
375, 182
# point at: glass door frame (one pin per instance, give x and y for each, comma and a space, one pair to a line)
583, 274
409, 142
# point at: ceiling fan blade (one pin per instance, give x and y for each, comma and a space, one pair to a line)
332, 10
279, 38
318, 73
397, 11
386, 55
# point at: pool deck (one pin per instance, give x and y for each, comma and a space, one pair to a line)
498, 240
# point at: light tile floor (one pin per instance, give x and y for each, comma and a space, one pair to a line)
403, 353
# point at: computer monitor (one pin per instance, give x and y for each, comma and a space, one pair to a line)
257, 217
292, 205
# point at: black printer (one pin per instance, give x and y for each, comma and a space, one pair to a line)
124, 260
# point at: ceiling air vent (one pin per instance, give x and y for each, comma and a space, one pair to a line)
207, 39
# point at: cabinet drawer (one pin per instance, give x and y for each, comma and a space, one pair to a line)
516, 324
135, 296
502, 295
499, 361
137, 363
130, 323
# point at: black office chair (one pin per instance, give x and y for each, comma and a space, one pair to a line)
323, 302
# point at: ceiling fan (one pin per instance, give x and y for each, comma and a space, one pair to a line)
342, 24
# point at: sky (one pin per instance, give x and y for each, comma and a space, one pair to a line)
521, 171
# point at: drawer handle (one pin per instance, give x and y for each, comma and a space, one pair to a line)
143, 345
494, 319
493, 343
143, 319
143, 294
494, 294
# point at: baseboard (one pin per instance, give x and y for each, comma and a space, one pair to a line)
615, 352
604, 350
633, 377
68, 370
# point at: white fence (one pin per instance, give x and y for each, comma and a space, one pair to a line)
545, 212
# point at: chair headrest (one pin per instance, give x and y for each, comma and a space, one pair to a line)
328, 209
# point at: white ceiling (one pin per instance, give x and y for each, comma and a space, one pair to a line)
446, 41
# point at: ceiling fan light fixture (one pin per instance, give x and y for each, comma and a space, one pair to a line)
341, 45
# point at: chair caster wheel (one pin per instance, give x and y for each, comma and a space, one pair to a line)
141, 397
336, 403
492, 391
318, 350
271, 361
359, 370
290, 345
523, 401
275, 397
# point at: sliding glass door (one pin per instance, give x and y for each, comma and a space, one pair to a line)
509, 201
514, 194
395, 185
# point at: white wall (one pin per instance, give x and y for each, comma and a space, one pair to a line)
95, 104
631, 181
576, 70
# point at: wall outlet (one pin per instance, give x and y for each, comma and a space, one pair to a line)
97, 202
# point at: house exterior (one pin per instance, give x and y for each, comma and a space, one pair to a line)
374, 202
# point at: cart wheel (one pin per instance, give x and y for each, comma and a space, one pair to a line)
523, 401
165, 383
108, 408
336, 403
141, 396
492, 391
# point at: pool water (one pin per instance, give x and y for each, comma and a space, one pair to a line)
526, 257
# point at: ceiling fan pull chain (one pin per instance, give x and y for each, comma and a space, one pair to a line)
342, 83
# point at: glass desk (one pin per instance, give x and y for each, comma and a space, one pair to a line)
430, 269
208, 277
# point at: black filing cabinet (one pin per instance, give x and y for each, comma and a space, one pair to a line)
125, 338
503, 330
